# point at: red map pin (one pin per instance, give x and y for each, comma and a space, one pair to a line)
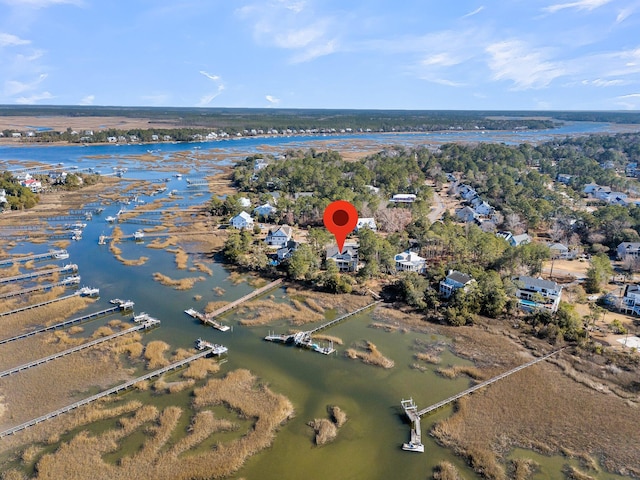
340, 218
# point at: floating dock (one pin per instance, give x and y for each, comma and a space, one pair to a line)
105, 393
304, 339
202, 317
143, 326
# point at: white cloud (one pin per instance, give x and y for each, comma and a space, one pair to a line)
9, 40
207, 98
88, 100
630, 101
624, 14
209, 76
445, 59
15, 87
272, 100
34, 98
293, 25
475, 12
526, 68
579, 5
599, 82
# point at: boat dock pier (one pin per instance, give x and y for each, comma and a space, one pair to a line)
73, 280
105, 393
411, 409
143, 326
27, 258
208, 318
64, 324
36, 305
304, 340
71, 267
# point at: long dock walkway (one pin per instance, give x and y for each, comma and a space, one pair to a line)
105, 393
27, 258
249, 296
414, 414
343, 317
71, 267
41, 304
64, 324
74, 280
148, 324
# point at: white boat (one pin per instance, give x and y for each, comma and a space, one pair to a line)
215, 348
61, 255
110, 219
89, 292
72, 279
413, 447
138, 235
141, 317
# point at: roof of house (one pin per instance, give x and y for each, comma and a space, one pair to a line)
351, 249
559, 246
283, 229
630, 245
538, 282
409, 257
243, 215
459, 277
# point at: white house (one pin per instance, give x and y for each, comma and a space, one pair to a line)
347, 261
409, 261
529, 289
242, 220
244, 202
373, 189
590, 188
631, 300
366, 222
279, 237
264, 210
403, 198
3, 196
467, 192
517, 240
628, 249
259, 164
454, 281
483, 208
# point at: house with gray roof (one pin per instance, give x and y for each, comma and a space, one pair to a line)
455, 281
535, 293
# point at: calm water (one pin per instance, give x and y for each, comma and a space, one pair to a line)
368, 445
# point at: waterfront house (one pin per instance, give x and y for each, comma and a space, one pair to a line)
242, 220
631, 300
514, 240
409, 261
628, 249
561, 251
3, 196
589, 188
279, 237
455, 281
286, 251
244, 202
366, 222
347, 261
534, 293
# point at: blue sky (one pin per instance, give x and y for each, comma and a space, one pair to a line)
408, 54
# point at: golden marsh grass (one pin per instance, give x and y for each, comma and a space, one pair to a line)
180, 284
370, 355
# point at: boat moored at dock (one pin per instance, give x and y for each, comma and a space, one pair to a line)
216, 349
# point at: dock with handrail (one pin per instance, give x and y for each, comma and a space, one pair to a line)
209, 318
72, 280
41, 304
411, 410
143, 326
64, 324
105, 393
70, 267
303, 339
27, 258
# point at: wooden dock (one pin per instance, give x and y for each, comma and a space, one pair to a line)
249, 296
64, 324
411, 410
75, 280
105, 393
27, 258
143, 326
71, 267
36, 305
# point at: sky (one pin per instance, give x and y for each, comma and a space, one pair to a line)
358, 54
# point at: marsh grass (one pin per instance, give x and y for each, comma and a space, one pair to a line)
154, 353
263, 312
428, 357
201, 368
325, 430
522, 468
179, 284
446, 471
370, 355
219, 291
201, 267
457, 370
328, 338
